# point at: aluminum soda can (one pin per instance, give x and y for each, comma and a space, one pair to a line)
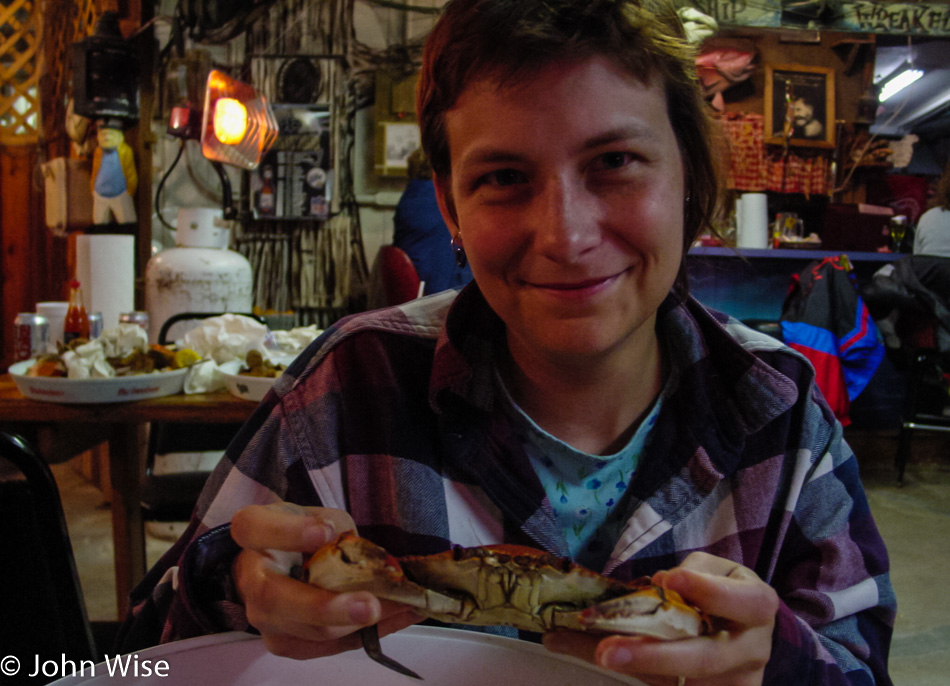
30, 335
95, 325
139, 317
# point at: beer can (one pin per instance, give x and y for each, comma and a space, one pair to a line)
30, 336
139, 317
95, 325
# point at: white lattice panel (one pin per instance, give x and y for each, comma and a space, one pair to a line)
20, 31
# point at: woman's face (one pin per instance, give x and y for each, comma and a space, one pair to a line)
568, 190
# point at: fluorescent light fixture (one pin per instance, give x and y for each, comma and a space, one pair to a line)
899, 83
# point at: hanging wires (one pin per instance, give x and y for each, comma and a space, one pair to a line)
161, 184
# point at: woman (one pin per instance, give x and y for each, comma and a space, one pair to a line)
572, 398
932, 236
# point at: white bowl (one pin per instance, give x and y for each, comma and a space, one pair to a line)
443, 657
247, 387
119, 389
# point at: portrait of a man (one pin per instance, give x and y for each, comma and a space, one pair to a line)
800, 105
807, 116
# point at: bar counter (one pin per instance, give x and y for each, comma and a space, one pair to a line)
752, 283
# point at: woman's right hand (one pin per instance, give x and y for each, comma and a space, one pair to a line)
297, 619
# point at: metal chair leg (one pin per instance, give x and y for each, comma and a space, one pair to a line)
904, 439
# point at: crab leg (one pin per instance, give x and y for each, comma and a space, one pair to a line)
370, 638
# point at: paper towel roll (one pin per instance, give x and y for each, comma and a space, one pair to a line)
753, 229
105, 266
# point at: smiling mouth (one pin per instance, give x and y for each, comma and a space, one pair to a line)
578, 288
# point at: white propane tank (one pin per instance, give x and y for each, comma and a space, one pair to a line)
200, 274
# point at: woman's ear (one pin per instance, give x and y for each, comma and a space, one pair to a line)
443, 194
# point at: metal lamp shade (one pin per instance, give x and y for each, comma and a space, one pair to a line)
243, 150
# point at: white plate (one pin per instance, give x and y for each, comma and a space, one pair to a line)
118, 389
442, 657
247, 387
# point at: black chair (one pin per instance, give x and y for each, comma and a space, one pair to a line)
171, 496
41, 603
926, 394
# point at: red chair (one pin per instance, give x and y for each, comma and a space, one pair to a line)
393, 279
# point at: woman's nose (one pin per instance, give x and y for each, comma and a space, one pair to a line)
564, 219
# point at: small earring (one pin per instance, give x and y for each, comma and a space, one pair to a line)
461, 259
688, 198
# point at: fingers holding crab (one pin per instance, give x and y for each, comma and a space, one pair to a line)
734, 652
286, 526
508, 585
297, 619
723, 588
745, 608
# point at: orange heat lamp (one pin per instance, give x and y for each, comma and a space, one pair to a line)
230, 121
237, 127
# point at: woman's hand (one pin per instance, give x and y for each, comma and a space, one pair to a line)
744, 607
296, 619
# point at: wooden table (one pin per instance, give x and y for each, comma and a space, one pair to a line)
63, 431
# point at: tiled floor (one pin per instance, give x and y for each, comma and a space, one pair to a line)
914, 520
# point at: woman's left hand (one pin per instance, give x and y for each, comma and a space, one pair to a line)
736, 654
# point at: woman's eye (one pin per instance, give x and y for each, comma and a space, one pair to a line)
504, 177
613, 160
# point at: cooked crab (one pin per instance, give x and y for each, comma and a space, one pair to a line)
506, 584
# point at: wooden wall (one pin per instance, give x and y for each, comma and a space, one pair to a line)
851, 55
33, 262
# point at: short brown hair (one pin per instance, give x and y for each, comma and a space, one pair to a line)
941, 197
511, 39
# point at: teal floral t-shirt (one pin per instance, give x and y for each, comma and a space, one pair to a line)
584, 490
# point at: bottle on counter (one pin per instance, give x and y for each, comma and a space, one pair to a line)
266, 204
76, 324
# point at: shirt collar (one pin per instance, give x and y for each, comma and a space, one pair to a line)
465, 351
712, 355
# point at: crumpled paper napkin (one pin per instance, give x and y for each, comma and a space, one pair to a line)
229, 337
225, 337
218, 340
88, 361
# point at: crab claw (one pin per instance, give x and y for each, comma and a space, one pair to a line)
352, 563
653, 611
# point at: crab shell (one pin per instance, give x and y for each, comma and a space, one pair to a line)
507, 585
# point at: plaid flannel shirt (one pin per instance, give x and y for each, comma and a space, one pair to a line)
391, 415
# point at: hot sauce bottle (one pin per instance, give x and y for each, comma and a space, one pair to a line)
76, 324
265, 202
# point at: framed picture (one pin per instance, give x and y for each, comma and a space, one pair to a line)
800, 102
395, 141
